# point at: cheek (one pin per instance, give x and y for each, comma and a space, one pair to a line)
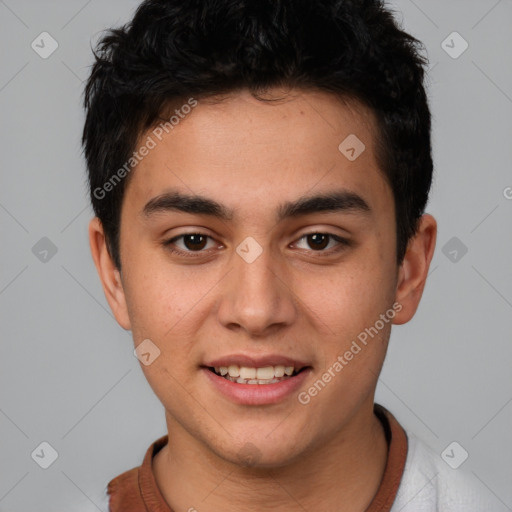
157, 295
353, 341
348, 308
163, 308
160, 304
350, 299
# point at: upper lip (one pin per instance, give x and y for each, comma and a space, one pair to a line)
256, 361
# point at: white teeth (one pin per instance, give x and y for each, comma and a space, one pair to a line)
239, 380
278, 371
234, 370
248, 375
265, 373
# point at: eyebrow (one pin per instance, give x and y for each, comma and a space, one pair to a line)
337, 201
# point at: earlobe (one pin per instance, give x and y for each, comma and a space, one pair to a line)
109, 274
413, 271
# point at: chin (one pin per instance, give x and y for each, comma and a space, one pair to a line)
260, 452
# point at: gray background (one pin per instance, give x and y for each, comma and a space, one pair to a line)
67, 371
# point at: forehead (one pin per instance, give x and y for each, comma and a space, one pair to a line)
245, 152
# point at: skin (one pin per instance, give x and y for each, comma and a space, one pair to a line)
294, 299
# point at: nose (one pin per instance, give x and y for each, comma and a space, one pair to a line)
257, 296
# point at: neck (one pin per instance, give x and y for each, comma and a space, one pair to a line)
343, 474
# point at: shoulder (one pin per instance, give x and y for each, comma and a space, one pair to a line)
429, 485
123, 493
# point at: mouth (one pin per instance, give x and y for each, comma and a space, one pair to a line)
256, 381
263, 375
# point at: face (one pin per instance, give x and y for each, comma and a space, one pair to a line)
230, 264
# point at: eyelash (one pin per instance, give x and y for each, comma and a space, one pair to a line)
343, 243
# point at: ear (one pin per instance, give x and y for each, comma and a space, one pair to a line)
413, 271
109, 274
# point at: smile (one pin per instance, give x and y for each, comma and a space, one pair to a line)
249, 375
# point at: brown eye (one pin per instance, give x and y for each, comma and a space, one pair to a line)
194, 242
188, 244
318, 240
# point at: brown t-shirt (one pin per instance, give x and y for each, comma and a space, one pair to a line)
136, 490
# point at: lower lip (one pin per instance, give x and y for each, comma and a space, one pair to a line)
257, 394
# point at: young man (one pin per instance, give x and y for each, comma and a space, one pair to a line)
259, 173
